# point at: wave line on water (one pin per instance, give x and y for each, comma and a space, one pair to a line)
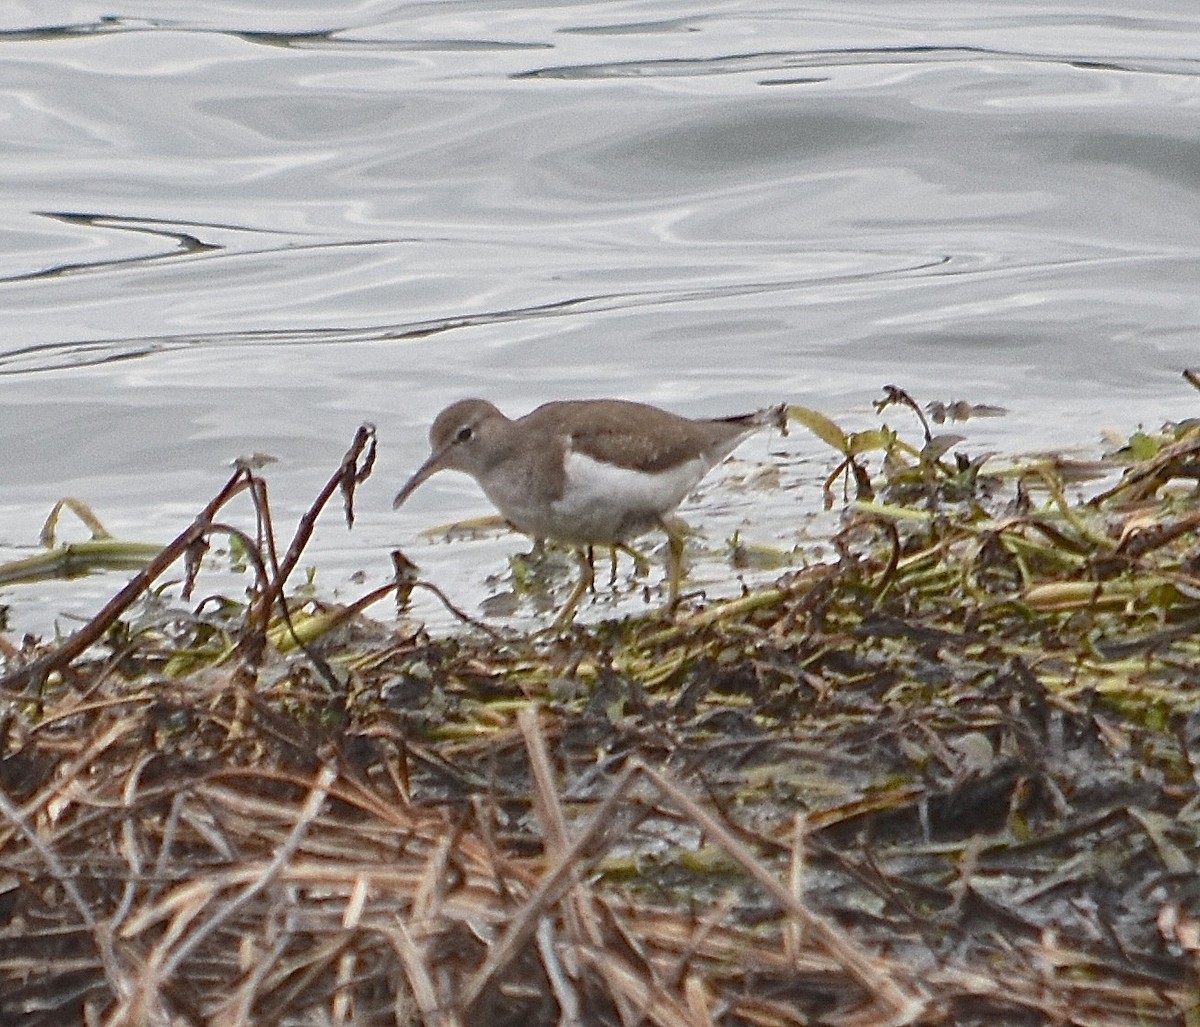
87, 353
186, 245
782, 60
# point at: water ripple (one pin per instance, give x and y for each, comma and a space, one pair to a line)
58, 355
316, 39
840, 58
179, 243
884, 272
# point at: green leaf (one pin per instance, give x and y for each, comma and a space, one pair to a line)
939, 445
821, 426
872, 439
1142, 446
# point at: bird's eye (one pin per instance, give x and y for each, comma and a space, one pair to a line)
464, 433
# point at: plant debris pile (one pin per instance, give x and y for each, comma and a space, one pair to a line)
947, 777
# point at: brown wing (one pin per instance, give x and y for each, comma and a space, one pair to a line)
636, 435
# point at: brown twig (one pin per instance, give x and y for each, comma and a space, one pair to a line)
33, 674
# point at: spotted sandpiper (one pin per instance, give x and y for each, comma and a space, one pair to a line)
586, 472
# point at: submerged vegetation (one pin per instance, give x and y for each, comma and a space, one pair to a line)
946, 777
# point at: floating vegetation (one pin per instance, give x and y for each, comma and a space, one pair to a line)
71, 559
947, 776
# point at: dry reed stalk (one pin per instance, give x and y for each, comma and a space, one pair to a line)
904, 1002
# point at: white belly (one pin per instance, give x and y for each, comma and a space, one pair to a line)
601, 503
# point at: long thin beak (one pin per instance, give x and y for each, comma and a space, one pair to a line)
429, 468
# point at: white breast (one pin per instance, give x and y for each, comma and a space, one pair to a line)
605, 503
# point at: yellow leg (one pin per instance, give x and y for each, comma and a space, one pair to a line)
675, 541
587, 578
640, 564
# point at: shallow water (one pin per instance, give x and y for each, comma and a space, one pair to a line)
232, 228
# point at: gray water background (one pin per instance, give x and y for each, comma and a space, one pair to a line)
230, 228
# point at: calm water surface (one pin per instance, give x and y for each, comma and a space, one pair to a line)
231, 228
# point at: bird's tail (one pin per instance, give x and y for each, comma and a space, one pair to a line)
768, 417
